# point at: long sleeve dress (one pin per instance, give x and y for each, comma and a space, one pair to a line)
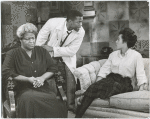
33, 102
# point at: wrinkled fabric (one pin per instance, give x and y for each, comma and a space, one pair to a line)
111, 85
33, 102
17, 62
127, 66
39, 104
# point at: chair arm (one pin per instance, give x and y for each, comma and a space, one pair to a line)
10, 84
10, 96
59, 82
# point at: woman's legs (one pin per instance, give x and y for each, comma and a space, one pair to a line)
86, 102
111, 85
38, 104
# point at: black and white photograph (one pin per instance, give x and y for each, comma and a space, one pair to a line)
75, 59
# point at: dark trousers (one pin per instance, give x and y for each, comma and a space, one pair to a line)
111, 85
71, 88
70, 85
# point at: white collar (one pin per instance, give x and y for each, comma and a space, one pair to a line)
126, 53
65, 28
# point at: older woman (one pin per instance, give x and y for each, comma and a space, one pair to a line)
115, 75
31, 66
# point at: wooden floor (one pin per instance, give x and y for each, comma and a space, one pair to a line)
70, 115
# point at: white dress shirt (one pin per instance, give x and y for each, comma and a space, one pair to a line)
65, 32
128, 65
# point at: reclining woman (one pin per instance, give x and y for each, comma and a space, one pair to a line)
30, 66
115, 75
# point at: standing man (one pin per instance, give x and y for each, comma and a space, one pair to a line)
62, 38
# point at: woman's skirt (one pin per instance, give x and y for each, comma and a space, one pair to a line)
40, 103
111, 85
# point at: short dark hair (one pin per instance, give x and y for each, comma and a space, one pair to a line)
128, 36
72, 14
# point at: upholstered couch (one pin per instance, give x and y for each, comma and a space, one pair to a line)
133, 104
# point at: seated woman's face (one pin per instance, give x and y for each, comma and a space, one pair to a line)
28, 41
119, 42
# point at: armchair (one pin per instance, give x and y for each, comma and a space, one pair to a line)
8, 93
9, 105
133, 104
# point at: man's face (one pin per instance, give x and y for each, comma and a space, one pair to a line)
77, 23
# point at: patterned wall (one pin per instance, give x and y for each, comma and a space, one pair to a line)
15, 14
111, 16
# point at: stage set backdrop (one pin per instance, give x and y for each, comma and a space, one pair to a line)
102, 22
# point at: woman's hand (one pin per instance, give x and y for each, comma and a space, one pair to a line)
99, 78
31, 79
143, 87
38, 82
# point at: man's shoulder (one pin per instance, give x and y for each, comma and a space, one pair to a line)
57, 19
55, 22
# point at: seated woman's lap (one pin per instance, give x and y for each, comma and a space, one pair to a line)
40, 104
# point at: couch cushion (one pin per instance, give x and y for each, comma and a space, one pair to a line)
98, 112
136, 100
100, 103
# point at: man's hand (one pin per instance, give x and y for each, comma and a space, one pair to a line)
38, 82
48, 48
143, 87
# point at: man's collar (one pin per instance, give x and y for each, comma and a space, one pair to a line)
65, 28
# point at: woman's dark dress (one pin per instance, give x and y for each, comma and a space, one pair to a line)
33, 102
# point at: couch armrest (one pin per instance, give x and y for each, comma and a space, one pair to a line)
87, 74
83, 75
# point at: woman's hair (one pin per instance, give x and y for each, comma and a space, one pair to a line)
26, 28
72, 14
128, 36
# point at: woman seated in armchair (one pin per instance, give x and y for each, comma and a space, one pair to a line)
30, 66
115, 75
